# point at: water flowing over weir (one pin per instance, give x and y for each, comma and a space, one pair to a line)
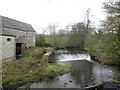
71, 56
84, 72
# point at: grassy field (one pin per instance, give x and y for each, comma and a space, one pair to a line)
30, 68
59, 41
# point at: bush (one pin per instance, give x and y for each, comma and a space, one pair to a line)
40, 40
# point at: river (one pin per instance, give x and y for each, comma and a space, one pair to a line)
84, 72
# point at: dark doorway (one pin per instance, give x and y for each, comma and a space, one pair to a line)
18, 50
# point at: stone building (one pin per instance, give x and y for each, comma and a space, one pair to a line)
15, 36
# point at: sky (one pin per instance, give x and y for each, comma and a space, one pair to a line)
41, 13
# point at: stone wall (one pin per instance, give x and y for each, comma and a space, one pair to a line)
18, 33
15, 32
0, 48
48, 57
8, 47
0, 38
32, 39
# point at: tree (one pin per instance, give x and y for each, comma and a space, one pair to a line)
87, 19
112, 23
111, 28
77, 35
52, 29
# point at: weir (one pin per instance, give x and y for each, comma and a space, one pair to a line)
71, 56
84, 74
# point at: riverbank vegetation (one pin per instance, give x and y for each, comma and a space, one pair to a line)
51, 40
30, 68
102, 43
106, 44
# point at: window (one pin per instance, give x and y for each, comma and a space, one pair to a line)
9, 39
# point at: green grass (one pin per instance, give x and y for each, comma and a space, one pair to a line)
58, 41
33, 52
24, 78
55, 69
50, 71
30, 68
8, 80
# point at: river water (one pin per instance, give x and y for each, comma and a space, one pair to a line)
84, 72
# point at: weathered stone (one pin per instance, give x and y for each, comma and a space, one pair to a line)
10, 30
8, 49
47, 57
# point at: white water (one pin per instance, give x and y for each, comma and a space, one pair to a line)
73, 57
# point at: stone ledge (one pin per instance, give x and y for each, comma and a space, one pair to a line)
47, 57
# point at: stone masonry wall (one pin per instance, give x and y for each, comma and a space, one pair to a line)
32, 39
0, 38
23, 33
0, 48
8, 47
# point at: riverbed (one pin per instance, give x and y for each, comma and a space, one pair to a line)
84, 72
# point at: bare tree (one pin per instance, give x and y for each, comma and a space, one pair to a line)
87, 18
52, 28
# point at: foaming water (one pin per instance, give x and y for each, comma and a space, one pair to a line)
65, 56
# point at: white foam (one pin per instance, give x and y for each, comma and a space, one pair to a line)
73, 57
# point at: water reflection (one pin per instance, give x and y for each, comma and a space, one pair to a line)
102, 73
83, 73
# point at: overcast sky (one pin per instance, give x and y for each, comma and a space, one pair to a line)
40, 13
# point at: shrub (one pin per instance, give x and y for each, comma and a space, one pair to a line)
40, 41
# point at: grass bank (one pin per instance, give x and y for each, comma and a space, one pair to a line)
56, 41
104, 49
30, 68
